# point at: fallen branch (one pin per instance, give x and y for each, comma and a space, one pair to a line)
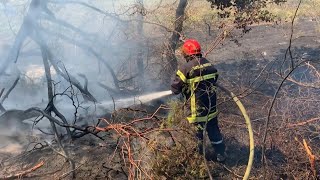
24, 173
311, 158
67, 173
306, 85
303, 123
127, 132
236, 175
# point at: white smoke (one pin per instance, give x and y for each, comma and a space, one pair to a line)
101, 108
108, 37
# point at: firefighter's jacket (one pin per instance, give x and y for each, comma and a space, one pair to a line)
196, 80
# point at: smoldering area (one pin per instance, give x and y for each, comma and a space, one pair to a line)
84, 47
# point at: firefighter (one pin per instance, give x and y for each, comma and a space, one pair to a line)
196, 80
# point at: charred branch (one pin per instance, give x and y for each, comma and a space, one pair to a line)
43, 5
23, 174
10, 90
89, 49
15, 50
62, 71
109, 89
51, 106
1, 107
85, 130
85, 93
85, 81
25, 30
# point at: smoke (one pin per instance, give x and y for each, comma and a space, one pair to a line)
13, 132
126, 102
99, 109
14, 127
73, 33
10, 148
93, 38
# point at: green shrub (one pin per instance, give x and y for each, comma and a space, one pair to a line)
181, 161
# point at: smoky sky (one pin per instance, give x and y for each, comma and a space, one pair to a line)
78, 37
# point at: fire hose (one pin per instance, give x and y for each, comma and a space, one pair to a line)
248, 123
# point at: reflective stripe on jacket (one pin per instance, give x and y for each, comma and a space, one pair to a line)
196, 80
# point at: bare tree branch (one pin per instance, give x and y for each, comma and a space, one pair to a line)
87, 48
270, 111
26, 28
9, 91
291, 40
114, 16
278, 90
1, 107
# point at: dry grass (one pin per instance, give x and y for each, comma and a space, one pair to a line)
285, 12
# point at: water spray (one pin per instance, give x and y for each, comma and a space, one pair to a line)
130, 101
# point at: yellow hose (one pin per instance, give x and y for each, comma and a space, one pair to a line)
246, 117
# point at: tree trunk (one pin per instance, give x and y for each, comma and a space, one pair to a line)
140, 33
178, 25
51, 106
13, 54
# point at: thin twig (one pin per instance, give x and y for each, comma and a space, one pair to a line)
24, 173
311, 158
276, 93
236, 175
72, 171
269, 115
303, 123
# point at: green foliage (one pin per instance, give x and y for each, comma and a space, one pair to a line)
241, 4
245, 12
181, 161
176, 114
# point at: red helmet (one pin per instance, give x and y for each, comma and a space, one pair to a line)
191, 47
